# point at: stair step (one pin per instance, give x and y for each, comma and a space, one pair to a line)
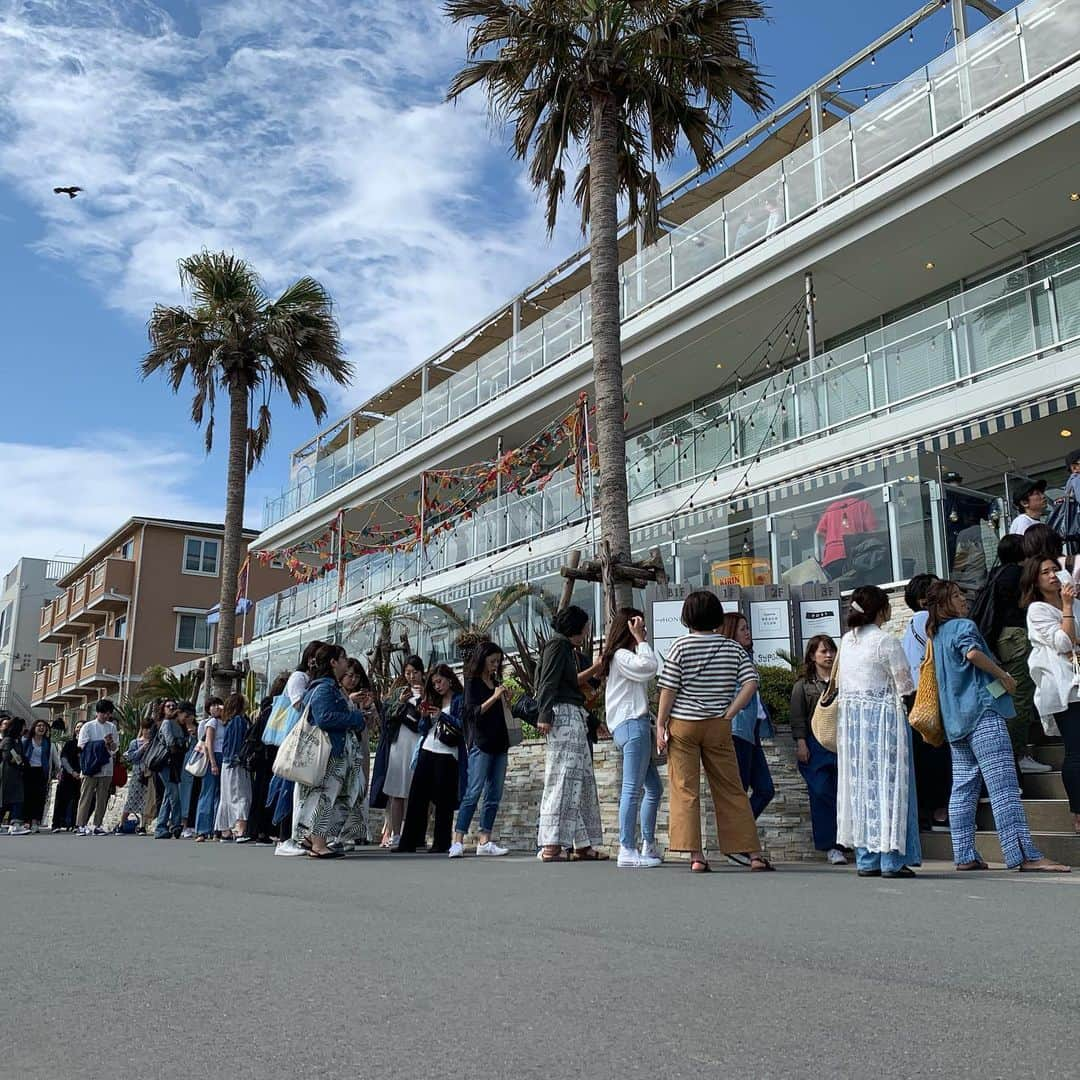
1043, 815
1042, 785
1063, 847
1049, 754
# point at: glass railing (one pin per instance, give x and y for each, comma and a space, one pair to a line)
1007, 320
964, 82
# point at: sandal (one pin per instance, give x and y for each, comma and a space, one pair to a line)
589, 854
328, 854
1044, 867
554, 855
759, 864
700, 866
903, 872
977, 864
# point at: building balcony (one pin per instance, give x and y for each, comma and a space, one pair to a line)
110, 585
101, 662
47, 632
69, 671
38, 694
962, 85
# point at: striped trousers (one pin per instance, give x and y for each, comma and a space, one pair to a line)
987, 754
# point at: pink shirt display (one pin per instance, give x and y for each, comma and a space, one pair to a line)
845, 517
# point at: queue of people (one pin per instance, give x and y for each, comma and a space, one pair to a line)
444, 744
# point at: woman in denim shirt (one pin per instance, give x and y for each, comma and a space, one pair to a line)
974, 720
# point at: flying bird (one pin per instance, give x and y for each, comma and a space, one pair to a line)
70, 192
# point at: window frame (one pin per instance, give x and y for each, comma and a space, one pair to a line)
193, 613
202, 541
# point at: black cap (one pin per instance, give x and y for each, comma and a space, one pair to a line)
185, 707
1072, 458
104, 706
1024, 487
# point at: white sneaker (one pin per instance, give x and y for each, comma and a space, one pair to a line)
836, 857
395, 841
629, 859
82, 830
18, 830
289, 847
187, 834
457, 850
99, 831
491, 848
651, 851
1027, 764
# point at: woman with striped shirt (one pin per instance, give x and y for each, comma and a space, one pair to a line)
706, 681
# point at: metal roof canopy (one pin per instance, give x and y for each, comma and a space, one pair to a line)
756, 150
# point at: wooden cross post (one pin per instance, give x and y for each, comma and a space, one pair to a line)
611, 571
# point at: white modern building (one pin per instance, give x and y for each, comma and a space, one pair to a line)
28, 587
933, 198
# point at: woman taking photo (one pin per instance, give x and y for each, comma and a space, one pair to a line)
67, 787
816, 764
974, 697
1052, 629
706, 682
750, 726
629, 665
323, 804
488, 742
569, 808
354, 827
234, 804
437, 778
42, 762
402, 737
877, 808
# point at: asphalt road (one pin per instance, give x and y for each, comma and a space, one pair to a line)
129, 957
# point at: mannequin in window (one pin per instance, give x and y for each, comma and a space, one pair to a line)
846, 516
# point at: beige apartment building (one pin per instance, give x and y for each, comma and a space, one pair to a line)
140, 598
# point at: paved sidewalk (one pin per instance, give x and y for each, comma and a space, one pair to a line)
171, 959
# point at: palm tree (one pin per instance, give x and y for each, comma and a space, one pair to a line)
235, 339
620, 83
158, 682
381, 621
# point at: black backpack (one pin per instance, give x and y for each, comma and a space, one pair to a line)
983, 611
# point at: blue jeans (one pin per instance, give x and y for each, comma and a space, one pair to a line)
821, 779
187, 783
208, 801
754, 774
486, 775
168, 819
641, 787
889, 862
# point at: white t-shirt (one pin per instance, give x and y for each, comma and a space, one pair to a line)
626, 695
94, 730
434, 745
296, 687
211, 723
1021, 523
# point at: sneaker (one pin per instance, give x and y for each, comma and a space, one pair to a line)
226, 840
99, 831
457, 850
628, 859
243, 839
395, 841
264, 841
82, 830
836, 857
651, 851
18, 830
187, 834
491, 848
289, 847
1027, 764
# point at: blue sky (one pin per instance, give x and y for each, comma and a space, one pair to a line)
309, 138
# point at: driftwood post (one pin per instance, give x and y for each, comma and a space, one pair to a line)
613, 572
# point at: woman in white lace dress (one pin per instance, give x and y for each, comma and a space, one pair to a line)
877, 812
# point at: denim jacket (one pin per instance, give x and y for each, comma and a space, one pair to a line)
331, 711
753, 724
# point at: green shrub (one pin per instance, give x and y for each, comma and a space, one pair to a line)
775, 684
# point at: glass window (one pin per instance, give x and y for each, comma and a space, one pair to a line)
735, 551
201, 556
193, 634
120, 627
128, 550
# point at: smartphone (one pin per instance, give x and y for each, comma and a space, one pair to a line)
1064, 577
996, 688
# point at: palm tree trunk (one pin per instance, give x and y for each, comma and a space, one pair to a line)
235, 484
606, 342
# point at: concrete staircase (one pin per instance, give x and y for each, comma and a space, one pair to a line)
1047, 813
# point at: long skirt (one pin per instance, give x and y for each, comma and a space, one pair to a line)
66, 802
136, 794
235, 802
328, 803
569, 808
399, 767
353, 824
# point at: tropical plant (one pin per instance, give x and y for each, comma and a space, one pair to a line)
127, 714
775, 684
159, 682
236, 340
471, 634
619, 84
382, 621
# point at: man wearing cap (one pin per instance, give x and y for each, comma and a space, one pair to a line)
1030, 499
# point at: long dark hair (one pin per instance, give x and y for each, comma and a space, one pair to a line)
872, 601
619, 637
1041, 541
729, 627
308, 655
939, 598
474, 669
809, 666
236, 705
447, 672
1029, 578
320, 662
354, 667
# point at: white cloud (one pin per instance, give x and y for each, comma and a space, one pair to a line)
64, 500
310, 138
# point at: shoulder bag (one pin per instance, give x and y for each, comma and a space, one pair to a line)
197, 762
823, 722
280, 721
305, 753
925, 715
514, 732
